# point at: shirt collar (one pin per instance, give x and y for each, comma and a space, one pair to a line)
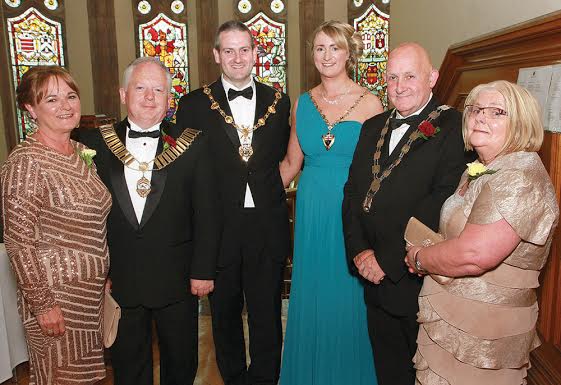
227, 85
134, 127
399, 116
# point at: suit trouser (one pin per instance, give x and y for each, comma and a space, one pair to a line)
257, 278
394, 341
177, 328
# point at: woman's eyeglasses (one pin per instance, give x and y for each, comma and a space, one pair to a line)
488, 112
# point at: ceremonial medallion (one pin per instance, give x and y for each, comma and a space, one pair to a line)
245, 151
328, 140
143, 187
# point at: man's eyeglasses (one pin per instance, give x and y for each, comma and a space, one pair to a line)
489, 112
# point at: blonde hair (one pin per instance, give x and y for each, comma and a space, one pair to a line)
525, 129
345, 37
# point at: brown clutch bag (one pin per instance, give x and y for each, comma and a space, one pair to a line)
111, 316
418, 234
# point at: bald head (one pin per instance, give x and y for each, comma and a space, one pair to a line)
410, 77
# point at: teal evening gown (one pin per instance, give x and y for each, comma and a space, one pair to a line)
326, 341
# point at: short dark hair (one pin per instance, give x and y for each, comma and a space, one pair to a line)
232, 25
33, 85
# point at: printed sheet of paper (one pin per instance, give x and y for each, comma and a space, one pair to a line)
553, 106
537, 81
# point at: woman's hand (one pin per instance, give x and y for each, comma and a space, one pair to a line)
410, 259
52, 322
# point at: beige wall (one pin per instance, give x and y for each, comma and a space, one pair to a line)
437, 24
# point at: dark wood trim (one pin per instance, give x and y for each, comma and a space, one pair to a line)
207, 24
499, 55
104, 57
311, 16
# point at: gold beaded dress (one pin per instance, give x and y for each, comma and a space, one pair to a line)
480, 330
54, 210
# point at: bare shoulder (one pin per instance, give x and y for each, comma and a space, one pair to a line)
371, 104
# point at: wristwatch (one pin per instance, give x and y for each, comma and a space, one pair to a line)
418, 266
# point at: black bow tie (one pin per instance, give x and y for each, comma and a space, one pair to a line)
396, 122
144, 134
246, 93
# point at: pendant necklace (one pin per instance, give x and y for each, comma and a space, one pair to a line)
328, 138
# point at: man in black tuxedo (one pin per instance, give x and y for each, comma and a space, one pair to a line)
383, 192
163, 228
247, 123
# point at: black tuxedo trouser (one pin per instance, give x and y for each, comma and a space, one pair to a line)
256, 277
177, 328
394, 341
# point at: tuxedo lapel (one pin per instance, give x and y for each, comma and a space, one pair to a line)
119, 183
220, 96
157, 182
431, 106
262, 101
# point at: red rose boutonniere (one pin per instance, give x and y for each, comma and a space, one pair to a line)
427, 129
168, 140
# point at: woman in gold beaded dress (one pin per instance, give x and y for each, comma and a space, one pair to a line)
54, 210
480, 327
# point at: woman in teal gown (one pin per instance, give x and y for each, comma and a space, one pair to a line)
326, 340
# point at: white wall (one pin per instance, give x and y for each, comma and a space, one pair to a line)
437, 24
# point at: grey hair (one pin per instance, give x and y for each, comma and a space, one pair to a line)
142, 60
232, 25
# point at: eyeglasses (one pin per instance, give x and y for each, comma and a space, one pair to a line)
489, 112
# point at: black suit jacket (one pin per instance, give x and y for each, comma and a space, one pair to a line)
151, 262
261, 171
417, 187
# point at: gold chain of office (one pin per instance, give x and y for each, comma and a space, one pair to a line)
166, 157
245, 150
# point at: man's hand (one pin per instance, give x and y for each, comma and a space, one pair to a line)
201, 287
368, 266
52, 322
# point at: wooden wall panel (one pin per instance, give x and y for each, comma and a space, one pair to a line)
496, 56
311, 15
105, 66
207, 24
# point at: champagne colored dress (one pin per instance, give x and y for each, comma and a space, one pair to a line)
54, 211
480, 330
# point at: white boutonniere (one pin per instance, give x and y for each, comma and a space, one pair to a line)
87, 156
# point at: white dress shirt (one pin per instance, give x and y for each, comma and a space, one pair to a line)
398, 133
143, 150
243, 112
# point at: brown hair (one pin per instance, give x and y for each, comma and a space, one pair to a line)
345, 37
232, 25
33, 85
525, 129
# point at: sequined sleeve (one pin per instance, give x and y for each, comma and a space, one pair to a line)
22, 199
520, 198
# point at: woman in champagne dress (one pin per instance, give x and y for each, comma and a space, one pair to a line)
54, 210
480, 327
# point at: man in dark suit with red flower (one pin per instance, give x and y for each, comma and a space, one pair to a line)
407, 162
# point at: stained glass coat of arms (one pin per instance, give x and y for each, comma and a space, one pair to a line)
270, 39
167, 40
34, 40
373, 25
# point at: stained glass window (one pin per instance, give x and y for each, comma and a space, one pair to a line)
34, 40
166, 39
373, 25
270, 39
